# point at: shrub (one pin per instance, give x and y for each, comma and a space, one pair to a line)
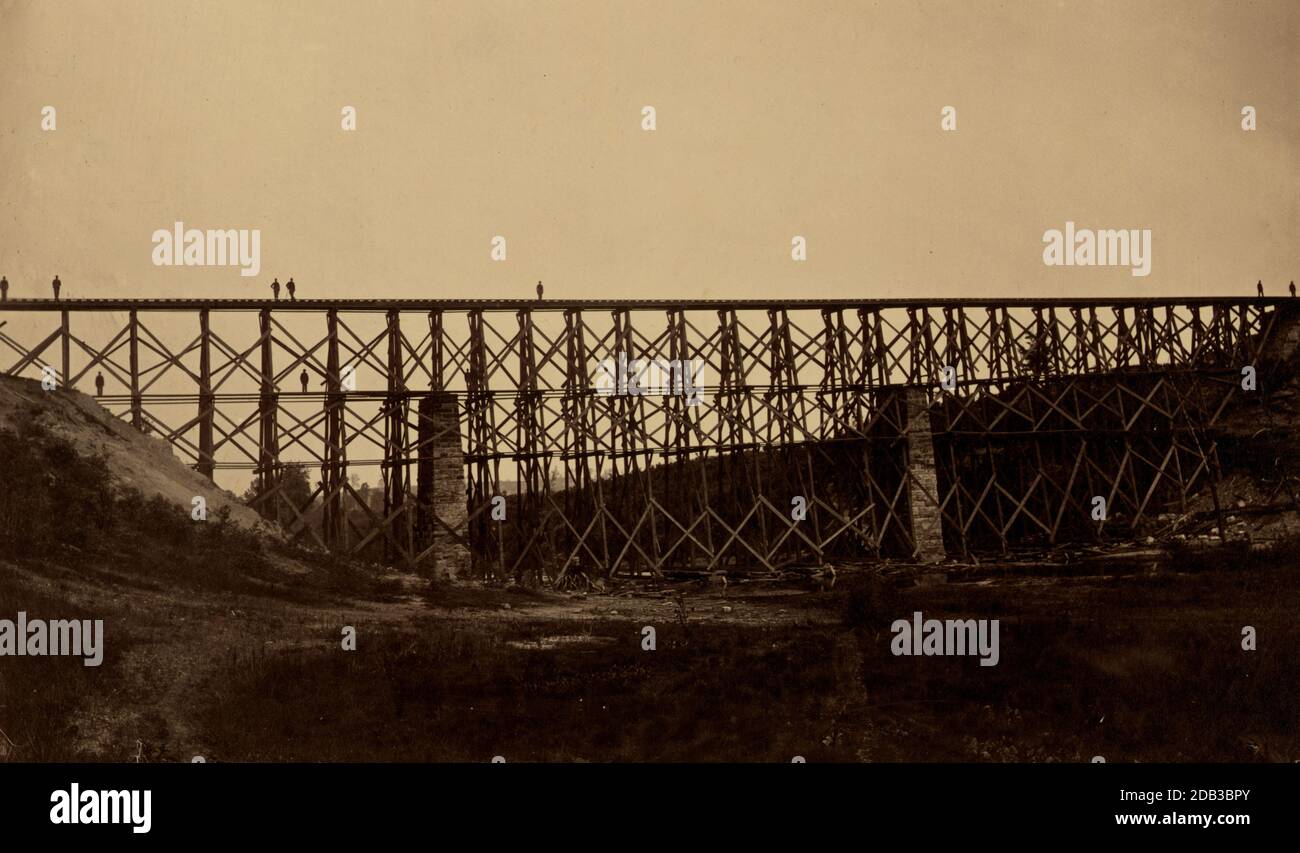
49, 493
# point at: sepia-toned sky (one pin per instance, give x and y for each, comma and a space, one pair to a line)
523, 119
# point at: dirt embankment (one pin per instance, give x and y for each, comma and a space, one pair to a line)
134, 459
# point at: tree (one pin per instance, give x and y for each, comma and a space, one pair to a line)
291, 484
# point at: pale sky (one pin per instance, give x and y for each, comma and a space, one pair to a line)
523, 119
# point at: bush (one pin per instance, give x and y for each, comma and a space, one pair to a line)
49, 493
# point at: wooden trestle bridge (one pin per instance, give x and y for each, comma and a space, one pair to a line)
912, 429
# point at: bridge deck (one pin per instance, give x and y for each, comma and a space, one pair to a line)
147, 304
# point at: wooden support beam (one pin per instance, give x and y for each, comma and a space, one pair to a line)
137, 420
207, 403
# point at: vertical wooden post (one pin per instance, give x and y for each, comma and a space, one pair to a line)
206, 401
137, 419
529, 486
482, 487
577, 415
65, 380
437, 355
395, 444
267, 445
334, 473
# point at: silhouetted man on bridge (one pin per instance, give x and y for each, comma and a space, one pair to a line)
1259, 287
4, 290
291, 289
303, 377
275, 288
99, 384
57, 284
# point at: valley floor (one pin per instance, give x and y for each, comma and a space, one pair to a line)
1136, 667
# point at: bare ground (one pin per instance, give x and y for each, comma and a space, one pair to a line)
1133, 667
